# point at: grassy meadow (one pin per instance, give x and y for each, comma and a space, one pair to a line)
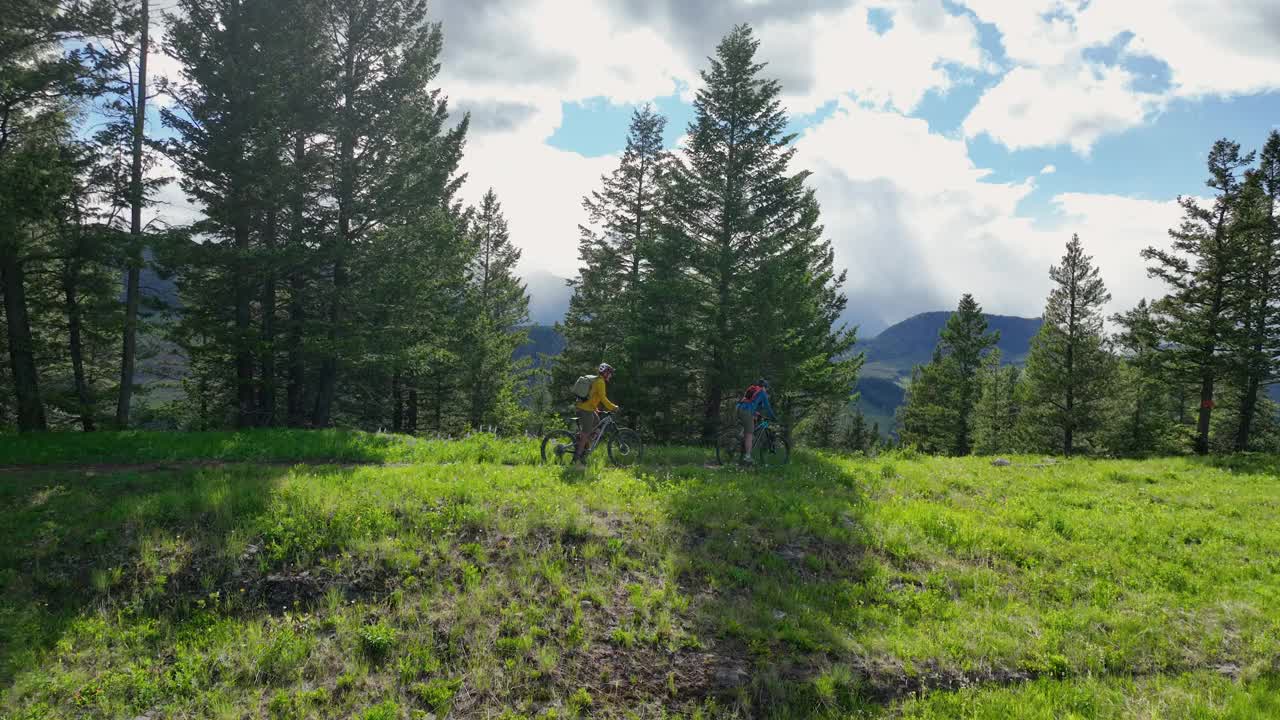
344, 575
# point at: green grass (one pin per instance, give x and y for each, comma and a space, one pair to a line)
255, 446
286, 446
472, 582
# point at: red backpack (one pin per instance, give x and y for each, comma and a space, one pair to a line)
751, 393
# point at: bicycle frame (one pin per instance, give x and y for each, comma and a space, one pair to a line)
606, 424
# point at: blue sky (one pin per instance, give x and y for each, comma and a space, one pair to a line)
955, 145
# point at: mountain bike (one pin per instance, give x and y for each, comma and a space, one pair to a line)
623, 444
769, 446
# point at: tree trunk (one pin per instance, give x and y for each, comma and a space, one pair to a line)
345, 199
71, 289
327, 385
296, 390
411, 414
267, 398
22, 362
128, 358
246, 402
397, 399
1205, 415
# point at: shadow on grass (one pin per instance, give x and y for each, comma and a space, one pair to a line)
1245, 463
780, 554
74, 542
138, 446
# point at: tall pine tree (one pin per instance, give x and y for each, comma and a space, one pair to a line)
616, 249
392, 157
765, 295
220, 118
1205, 262
499, 309
45, 69
1255, 300
1069, 368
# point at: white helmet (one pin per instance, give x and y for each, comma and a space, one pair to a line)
604, 369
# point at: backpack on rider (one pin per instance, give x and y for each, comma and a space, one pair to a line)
582, 387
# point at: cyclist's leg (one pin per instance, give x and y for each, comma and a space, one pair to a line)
747, 420
586, 428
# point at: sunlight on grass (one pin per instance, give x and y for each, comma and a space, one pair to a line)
834, 587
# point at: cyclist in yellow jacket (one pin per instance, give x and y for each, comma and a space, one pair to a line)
588, 410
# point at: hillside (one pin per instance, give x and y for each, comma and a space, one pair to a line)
892, 354
468, 581
544, 343
901, 347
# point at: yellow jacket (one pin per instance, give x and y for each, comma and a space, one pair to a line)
597, 398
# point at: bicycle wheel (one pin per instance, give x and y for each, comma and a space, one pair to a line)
558, 447
625, 447
771, 449
729, 447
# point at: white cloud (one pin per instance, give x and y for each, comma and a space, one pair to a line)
1048, 170
1212, 48
839, 52
918, 224
541, 190
1071, 105
1054, 95
1114, 230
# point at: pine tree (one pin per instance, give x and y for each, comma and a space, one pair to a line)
938, 413
134, 98
855, 436
221, 113
666, 332
392, 157
1254, 302
498, 308
1142, 414
616, 250
929, 415
1206, 260
44, 70
765, 294
1069, 367
997, 412
89, 252
819, 429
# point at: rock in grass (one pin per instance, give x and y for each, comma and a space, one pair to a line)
1001, 462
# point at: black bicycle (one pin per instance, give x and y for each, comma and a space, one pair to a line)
768, 446
624, 444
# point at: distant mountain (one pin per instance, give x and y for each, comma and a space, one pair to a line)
891, 355
543, 340
548, 297
909, 343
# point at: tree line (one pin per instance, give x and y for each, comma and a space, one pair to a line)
1186, 371
333, 278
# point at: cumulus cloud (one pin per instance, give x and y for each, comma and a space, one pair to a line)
1071, 105
918, 224
541, 190
1056, 94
